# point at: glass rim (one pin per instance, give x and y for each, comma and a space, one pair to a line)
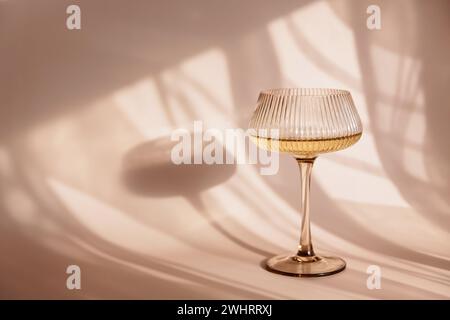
305, 92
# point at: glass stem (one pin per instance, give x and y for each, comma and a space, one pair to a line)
305, 248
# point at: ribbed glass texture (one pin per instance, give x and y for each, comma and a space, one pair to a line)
308, 121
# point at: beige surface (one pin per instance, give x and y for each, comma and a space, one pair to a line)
76, 104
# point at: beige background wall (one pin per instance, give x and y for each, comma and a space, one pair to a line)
76, 106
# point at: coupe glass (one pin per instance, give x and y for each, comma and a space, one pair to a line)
307, 122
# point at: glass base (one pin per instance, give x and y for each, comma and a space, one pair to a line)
313, 266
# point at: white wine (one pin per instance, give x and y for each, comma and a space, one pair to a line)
306, 148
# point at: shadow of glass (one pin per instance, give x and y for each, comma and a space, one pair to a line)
149, 171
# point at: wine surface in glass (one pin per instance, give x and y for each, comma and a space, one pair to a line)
306, 147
